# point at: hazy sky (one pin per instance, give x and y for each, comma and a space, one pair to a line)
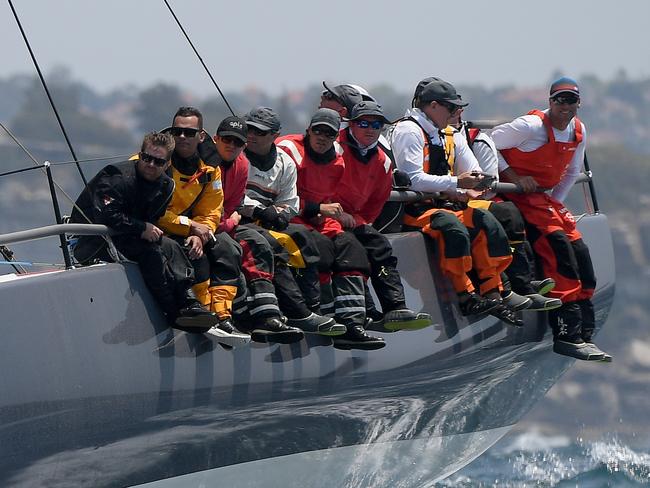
288, 44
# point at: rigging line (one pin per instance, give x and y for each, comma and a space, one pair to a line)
42, 168
47, 91
90, 160
22, 170
198, 56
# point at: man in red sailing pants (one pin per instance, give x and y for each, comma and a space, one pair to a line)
320, 170
544, 151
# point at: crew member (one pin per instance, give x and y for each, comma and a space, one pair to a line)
129, 197
192, 217
362, 193
544, 150
271, 201
258, 311
320, 170
437, 161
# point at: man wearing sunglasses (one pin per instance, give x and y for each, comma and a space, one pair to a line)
362, 192
439, 160
270, 202
256, 305
343, 259
129, 197
544, 150
192, 218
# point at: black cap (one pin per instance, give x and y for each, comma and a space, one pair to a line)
345, 94
263, 118
368, 109
438, 90
328, 117
233, 126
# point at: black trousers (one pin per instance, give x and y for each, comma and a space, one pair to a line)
384, 276
165, 269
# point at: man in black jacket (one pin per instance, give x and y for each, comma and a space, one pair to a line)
128, 197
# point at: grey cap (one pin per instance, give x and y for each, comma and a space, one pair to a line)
371, 109
328, 117
440, 91
264, 118
346, 95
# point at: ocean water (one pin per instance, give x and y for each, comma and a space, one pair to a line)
534, 460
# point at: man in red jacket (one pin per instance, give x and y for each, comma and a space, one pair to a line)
362, 192
320, 170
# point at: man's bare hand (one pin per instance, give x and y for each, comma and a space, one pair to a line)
202, 231
527, 184
151, 233
195, 247
468, 180
331, 210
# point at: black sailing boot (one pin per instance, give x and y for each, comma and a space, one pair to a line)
589, 326
566, 323
192, 314
350, 309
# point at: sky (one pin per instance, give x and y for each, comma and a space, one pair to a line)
285, 45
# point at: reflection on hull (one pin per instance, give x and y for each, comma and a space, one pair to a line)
399, 464
100, 394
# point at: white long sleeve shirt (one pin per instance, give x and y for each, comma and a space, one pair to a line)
527, 133
407, 143
276, 186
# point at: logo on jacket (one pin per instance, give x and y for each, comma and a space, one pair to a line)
107, 200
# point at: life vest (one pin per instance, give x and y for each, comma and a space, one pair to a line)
438, 160
547, 163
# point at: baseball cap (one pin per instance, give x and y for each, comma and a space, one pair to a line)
328, 117
438, 90
264, 118
368, 109
347, 95
564, 85
233, 126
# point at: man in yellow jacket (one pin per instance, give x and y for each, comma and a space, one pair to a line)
192, 218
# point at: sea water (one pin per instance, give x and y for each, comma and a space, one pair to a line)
534, 460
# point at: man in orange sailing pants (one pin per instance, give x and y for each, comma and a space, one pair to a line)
468, 238
544, 151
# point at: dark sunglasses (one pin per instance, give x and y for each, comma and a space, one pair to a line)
232, 140
324, 131
566, 99
148, 158
450, 107
186, 131
257, 131
375, 124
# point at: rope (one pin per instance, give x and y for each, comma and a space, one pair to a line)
199, 56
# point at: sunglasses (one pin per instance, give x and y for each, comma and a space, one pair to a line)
451, 108
566, 99
375, 124
324, 131
232, 140
148, 158
257, 131
183, 131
